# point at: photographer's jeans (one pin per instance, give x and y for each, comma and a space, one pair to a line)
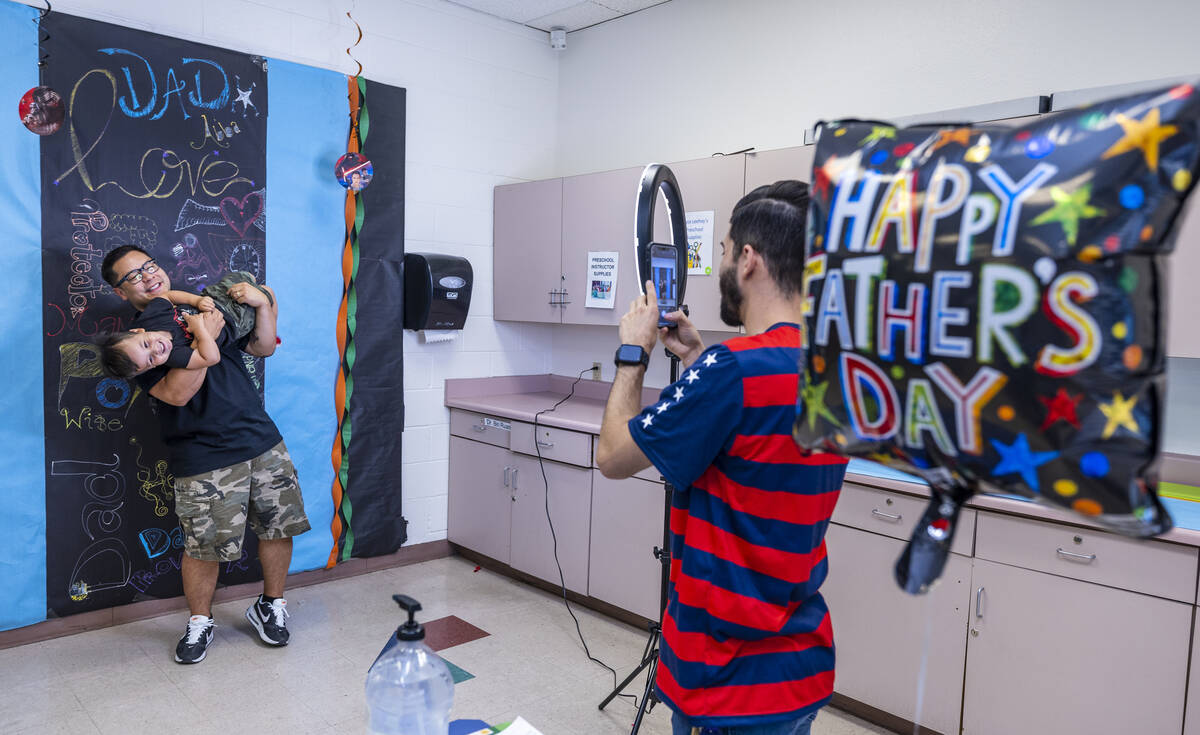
802, 726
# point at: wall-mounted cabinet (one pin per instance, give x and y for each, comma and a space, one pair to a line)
767, 167
527, 259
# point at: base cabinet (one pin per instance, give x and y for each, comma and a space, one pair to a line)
480, 498
1047, 654
568, 500
884, 636
627, 523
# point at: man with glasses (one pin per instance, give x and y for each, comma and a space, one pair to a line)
230, 464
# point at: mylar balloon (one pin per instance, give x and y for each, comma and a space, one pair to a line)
985, 307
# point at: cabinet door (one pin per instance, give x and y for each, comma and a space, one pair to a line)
708, 184
1055, 655
598, 216
882, 633
1183, 268
768, 167
1191, 725
526, 255
570, 501
627, 523
479, 500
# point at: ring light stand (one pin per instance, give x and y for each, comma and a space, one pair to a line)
656, 178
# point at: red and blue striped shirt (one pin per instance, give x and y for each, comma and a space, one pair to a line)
746, 635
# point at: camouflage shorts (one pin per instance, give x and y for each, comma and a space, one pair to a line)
214, 507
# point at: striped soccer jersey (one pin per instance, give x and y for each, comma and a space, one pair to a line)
746, 635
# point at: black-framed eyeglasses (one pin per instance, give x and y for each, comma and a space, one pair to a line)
137, 274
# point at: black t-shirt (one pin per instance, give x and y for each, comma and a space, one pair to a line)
224, 423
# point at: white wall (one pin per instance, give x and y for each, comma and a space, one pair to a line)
482, 101
691, 77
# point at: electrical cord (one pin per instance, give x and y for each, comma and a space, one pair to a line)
554, 538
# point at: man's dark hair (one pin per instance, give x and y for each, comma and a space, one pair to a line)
773, 219
106, 268
113, 360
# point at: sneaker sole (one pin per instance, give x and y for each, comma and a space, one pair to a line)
261, 634
188, 663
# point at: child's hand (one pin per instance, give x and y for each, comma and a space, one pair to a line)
196, 324
214, 322
205, 304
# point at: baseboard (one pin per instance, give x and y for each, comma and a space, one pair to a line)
96, 619
879, 717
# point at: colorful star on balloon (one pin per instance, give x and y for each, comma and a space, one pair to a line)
962, 136
1145, 134
1061, 407
1119, 413
878, 133
813, 396
1068, 209
1016, 458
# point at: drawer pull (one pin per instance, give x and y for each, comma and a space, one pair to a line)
894, 518
1085, 558
506, 471
479, 427
544, 445
514, 480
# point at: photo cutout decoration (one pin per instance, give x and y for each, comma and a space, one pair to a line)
353, 171
984, 307
41, 110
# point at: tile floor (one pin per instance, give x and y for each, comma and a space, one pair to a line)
124, 680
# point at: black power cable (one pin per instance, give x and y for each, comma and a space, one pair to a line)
562, 582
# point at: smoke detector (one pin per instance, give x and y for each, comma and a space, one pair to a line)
558, 38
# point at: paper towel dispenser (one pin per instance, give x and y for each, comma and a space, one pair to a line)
437, 291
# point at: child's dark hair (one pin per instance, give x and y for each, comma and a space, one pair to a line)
114, 360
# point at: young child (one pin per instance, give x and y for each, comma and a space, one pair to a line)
175, 340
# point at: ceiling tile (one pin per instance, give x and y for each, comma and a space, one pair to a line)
520, 11
625, 7
580, 15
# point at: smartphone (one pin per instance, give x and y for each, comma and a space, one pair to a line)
664, 261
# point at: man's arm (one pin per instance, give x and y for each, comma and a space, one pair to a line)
179, 385
266, 312
618, 455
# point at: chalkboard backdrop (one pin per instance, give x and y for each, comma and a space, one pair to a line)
164, 148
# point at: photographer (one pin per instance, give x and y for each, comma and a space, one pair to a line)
746, 636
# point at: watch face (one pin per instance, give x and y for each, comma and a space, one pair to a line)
630, 355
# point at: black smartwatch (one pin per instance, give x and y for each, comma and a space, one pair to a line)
631, 355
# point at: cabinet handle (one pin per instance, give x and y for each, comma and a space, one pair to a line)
1085, 558
979, 603
506, 471
888, 516
479, 427
544, 445
514, 480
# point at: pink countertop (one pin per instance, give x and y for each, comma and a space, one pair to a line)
521, 397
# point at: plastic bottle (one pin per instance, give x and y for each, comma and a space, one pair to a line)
409, 688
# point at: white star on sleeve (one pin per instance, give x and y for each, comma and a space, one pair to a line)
692, 376
711, 359
679, 393
646, 421
663, 406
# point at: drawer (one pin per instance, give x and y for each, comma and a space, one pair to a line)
561, 445
480, 427
1151, 567
651, 473
894, 514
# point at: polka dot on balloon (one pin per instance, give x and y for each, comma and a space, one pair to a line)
1006, 413
839, 132
1147, 233
1065, 488
1181, 91
1094, 464
878, 157
1023, 135
1090, 254
903, 149
1092, 120
1045, 269
978, 153
1128, 280
1120, 331
897, 372
819, 364
1112, 244
1039, 147
840, 439
1132, 357
1181, 179
1087, 507
1132, 197
819, 240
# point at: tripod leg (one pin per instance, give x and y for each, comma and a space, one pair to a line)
649, 658
648, 697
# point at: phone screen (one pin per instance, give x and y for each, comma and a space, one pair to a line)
663, 263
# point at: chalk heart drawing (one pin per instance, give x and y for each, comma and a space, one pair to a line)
240, 214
